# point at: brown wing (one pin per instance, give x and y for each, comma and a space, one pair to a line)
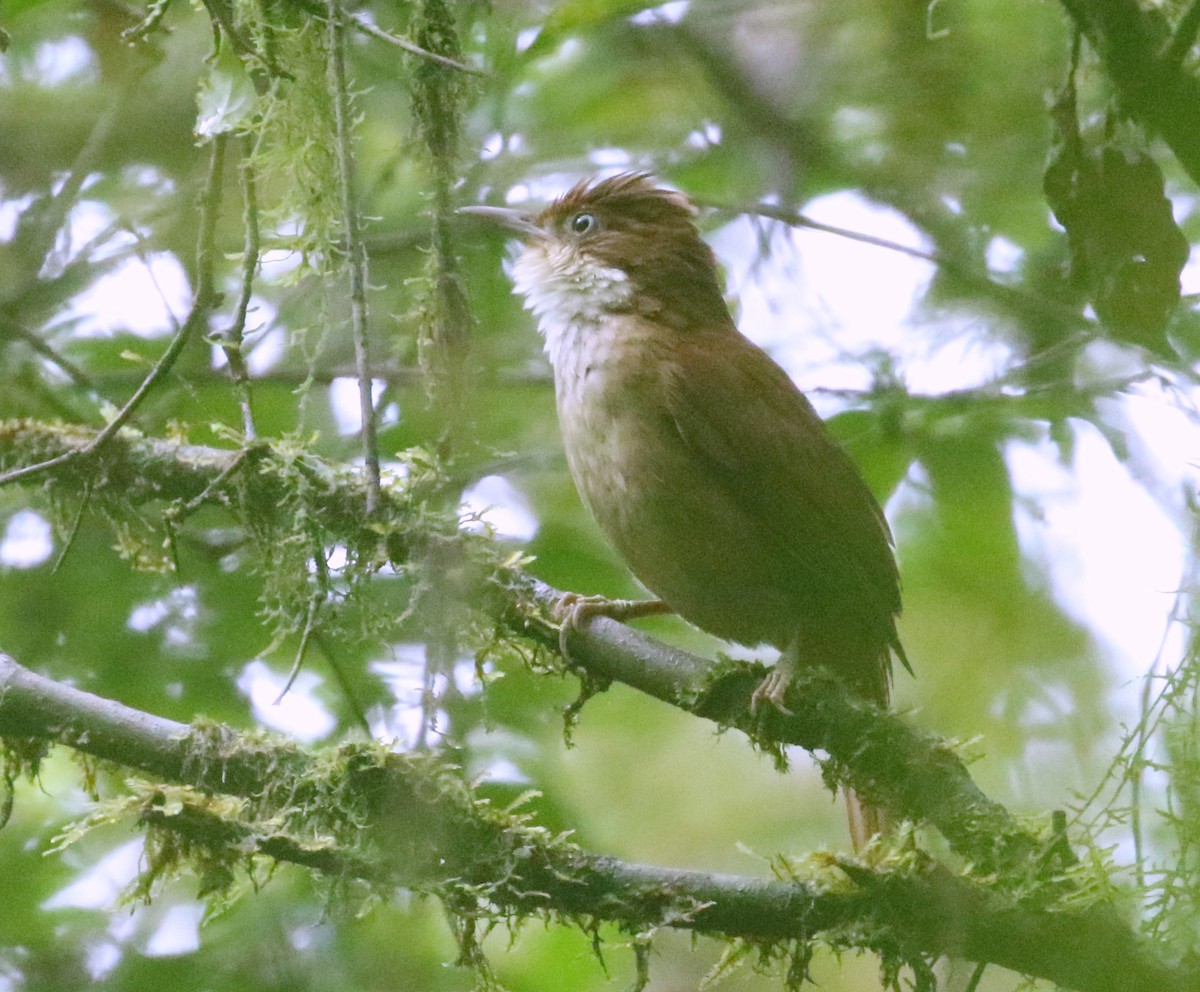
762, 441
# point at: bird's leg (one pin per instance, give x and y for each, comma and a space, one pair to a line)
572, 611
774, 687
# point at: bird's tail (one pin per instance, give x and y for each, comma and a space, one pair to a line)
865, 820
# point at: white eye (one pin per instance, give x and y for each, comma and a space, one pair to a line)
584, 223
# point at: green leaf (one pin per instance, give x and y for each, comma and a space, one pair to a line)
226, 98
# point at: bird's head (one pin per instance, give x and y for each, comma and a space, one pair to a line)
619, 245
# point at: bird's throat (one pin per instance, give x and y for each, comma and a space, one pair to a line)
571, 295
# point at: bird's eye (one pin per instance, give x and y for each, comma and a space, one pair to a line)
583, 223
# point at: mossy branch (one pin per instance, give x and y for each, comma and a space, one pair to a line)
914, 774
410, 820
202, 306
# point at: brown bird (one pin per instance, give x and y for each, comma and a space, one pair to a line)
696, 454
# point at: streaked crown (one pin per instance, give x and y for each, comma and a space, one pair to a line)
631, 243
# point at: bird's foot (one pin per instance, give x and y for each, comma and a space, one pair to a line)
772, 689
573, 611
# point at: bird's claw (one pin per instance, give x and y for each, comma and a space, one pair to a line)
572, 611
569, 612
772, 690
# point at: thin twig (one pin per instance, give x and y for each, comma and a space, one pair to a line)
176, 514
224, 22
356, 256
367, 28
9, 328
233, 341
310, 620
317, 598
205, 299
206, 294
74, 530
142, 30
219, 480
29, 471
946, 265
976, 977
83, 165
405, 376
61, 205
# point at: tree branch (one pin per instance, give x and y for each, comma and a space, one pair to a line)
427, 830
914, 774
202, 305
355, 252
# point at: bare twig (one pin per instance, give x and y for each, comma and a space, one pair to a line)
977, 280
73, 530
397, 375
367, 28
356, 256
9, 328
150, 23
225, 23
315, 599
233, 340
344, 684
83, 166
205, 299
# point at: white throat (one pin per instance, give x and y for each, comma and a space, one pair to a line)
568, 293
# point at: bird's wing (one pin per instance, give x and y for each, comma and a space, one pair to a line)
740, 414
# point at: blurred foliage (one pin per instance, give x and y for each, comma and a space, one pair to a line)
935, 114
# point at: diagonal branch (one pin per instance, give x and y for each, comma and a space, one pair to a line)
909, 772
427, 835
915, 775
205, 300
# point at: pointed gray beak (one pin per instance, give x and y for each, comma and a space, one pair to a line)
518, 222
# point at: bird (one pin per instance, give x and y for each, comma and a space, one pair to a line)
698, 457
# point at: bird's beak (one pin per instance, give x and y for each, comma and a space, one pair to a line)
516, 221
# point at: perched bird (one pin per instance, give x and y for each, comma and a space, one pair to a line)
696, 454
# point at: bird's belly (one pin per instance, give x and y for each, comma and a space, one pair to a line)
682, 538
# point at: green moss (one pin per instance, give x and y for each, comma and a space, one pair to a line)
20, 757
